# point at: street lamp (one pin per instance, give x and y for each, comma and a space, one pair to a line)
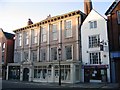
59, 53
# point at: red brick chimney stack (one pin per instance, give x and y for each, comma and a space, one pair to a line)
87, 6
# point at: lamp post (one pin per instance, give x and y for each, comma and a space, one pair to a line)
59, 53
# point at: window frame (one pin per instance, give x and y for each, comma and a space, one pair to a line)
118, 16
71, 53
43, 34
93, 24
54, 32
68, 30
93, 56
54, 57
93, 41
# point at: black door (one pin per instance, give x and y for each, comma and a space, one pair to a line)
26, 74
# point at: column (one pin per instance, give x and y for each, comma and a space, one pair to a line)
72, 71
48, 43
38, 48
21, 73
77, 39
22, 57
30, 38
53, 73
29, 55
60, 32
31, 74
7, 72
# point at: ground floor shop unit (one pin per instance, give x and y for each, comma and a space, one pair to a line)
96, 73
46, 72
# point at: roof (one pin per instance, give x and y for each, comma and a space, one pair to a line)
51, 19
114, 4
8, 35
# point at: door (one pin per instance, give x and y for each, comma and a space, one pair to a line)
26, 74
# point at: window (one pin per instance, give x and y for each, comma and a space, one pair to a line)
54, 32
26, 38
25, 56
3, 52
93, 24
19, 39
54, 53
68, 28
34, 36
94, 41
65, 72
118, 16
95, 58
34, 55
68, 52
43, 34
40, 72
43, 54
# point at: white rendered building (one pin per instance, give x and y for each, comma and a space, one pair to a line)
95, 49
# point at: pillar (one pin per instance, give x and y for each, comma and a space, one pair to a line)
72, 71
7, 72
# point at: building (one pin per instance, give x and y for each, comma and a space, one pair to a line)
6, 51
95, 49
42, 47
113, 15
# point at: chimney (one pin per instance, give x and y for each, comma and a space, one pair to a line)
87, 6
29, 21
48, 17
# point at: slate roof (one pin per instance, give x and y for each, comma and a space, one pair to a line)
8, 35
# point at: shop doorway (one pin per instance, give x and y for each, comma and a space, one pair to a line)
26, 74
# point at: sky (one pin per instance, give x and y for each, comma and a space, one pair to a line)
15, 13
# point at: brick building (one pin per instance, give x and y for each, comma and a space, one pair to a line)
113, 15
6, 50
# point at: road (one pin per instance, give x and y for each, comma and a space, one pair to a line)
16, 85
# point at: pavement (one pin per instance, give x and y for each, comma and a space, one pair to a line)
66, 85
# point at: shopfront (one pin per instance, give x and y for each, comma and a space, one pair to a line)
96, 73
14, 72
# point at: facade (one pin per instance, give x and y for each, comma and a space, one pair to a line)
95, 49
6, 51
36, 55
113, 15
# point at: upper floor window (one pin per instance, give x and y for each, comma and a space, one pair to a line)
26, 56
95, 58
43, 34
54, 32
118, 16
68, 28
3, 46
43, 55
68, 52
93, 24
34, 55
34, 36
54, 53
26, 38
94, 41
20, 39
